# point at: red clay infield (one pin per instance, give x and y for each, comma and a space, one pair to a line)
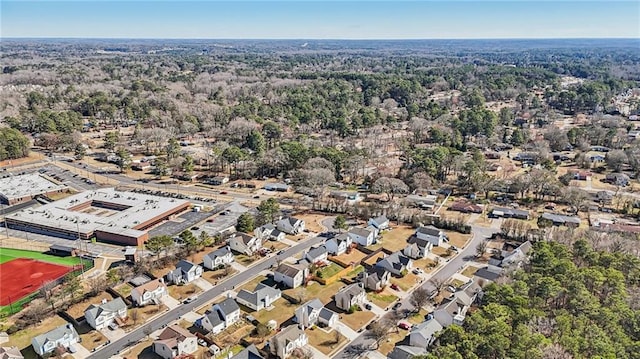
20, 277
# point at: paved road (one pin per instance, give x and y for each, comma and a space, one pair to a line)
140, 333
363, 343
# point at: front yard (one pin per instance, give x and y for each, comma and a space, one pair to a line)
246, 260
214, 276
469, 271
405, 283
282, 311
92, 338
323, 341
181, 292
316, 290
394, 239
22, 338
396, 335
425, 264
143, 314
382, 299
250, 285
458, 239
357, 319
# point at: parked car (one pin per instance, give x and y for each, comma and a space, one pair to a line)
454, 248
256, 196
195, 228
404, 325
395, 286
202, 342
113, 326
190, 299
367, 306
396, 306
417, 271
223, 192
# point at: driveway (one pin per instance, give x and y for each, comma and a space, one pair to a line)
203, 284
170, 302
113, 334
346, 331
82, 352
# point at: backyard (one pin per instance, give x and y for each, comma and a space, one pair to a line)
396, 335
22, 338
458, 239
355, 256
124, 289
92, 338
77, 310
394, 239
328, 271
281, 311
143, 315
323, 341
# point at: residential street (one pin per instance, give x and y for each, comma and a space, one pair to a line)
136, 335
363, 345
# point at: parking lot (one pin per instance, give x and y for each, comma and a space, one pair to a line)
182, 223
75, 181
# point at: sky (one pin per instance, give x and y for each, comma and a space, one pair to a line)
303, 19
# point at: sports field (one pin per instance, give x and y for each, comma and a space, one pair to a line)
7, 254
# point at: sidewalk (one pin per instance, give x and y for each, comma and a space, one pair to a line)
82, 352
316, 353
170, 301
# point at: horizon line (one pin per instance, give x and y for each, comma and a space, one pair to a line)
309, 39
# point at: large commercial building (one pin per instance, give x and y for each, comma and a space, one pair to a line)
105, 214
23, 188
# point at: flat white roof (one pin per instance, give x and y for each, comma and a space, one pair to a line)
31, 184
142, 207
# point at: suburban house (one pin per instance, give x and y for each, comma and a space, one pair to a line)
338, 244
64, 336
454, 309
175, 342
424, 202
380, 223
465, 207
518, 255
250, 352
345, 195
618, 179
504, 212
289, 339
269, 232
363, 236
278, 187
633, 135
218, 258
313, 312
407, 352
291, 275
417, 248
489, 273
353, 294
101, 316
218, 180
431, 234
245, 244
221, 316
424, 334
396, 263
150, 292
290, 225
10, 353
185, 272
261, 297
581, 175
317, 254
375, 279
560, 219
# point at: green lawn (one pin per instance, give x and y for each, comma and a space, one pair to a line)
7, 254
329, 271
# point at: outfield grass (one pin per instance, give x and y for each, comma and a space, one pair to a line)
7, 254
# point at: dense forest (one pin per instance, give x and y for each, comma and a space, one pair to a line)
567, 302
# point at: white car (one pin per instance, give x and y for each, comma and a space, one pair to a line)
417, 271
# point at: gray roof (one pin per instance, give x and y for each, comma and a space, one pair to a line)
288, 334
427, 328
559, 218
489, 273
250, 352
312, 305
185, 266
215, 318
394, 262
245, 238
59, 247
351, 290
55, 334
259, 293
327, 314
288, 270
511, 211
363, 232
110, 306
317, 252
525, 247
228, 306
429, 230
220, 252
381, 219
406, 352
421, 243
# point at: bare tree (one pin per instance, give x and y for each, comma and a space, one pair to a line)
134, 315
419, 298
615, 160
481, 248
378, 332
35, 312
437, 283
390, 186
576, 197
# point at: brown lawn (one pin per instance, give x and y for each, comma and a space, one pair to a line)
144, 314
245, 260
417, 318
180, 292
357, 319
425, 264
275, 245
199, 256
22, 338
382, 299
312, 222
374, 259
355, 256
407, 282
144, 350
396, 335
325, 342
77, 310
214, 276
92, 339
469, 271
442, 252
234, 334
250, 285
458, 239
395, 239
282, 311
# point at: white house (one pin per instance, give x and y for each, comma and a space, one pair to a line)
424, 334
218, 258
290, 225
289, 339
245, 244
64, 336
101, 316
431, 234
417, 248
268, 232
338, 244
175, 341
10, 353
221, 316
454, 309
314, 312
150, 292
261, 297
291, 275
380, 223
518, 255
185, 272
362, 236
317, 254
376, 279
353, 294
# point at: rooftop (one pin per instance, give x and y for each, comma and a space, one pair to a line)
27, 185
136, 209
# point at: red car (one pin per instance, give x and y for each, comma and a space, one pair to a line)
395, 287
404, 325
223, 192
